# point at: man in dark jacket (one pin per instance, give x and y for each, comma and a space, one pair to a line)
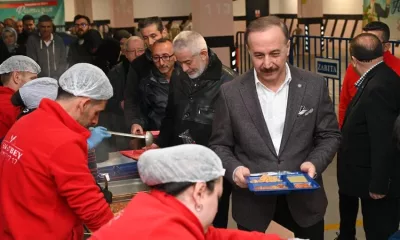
368, 162
80, 50
114, 112
192, 95
28, 28
151, 30
152, 97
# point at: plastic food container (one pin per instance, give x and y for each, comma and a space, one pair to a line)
275, 183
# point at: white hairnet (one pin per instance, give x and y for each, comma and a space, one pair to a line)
19, 63
183, 163
34, 91
86, 80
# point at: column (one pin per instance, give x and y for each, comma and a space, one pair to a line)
121, 13
214, 20
310, 14
84, 7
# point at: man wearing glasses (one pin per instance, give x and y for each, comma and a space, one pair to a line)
132, 48
194, 89
348, 205
79, 51
153, 89
151, 29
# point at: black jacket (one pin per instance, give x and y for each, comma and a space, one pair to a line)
139, 69
191, 104
368, 160
117, 77
152, 98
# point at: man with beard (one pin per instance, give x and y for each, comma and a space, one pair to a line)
80, 50
151, 30
28, 24
194, 90
45, 181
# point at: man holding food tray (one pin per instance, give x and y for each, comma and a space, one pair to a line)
276, 118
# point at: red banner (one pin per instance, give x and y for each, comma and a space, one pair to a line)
29, 4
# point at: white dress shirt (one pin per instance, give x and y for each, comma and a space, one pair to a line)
273, 106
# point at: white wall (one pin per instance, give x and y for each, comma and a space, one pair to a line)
102, 9
342, 6
239, 8
289, 6
283, 6
69, 6
274, 6
161, 8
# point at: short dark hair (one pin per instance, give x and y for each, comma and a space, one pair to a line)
150, 21
175, 188
79, 16
379, 26
45, 18
366, 47
162, 40
263, 23
5, 78
63, 95
28, 18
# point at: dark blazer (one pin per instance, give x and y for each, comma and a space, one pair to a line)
240, 137
368, 160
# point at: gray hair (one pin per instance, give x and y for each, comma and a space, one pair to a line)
133, 38
191, 40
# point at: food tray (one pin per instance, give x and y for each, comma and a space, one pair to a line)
134, 154
276, 183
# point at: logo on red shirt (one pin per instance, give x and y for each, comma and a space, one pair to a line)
10, 151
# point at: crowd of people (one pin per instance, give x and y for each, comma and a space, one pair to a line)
275, 117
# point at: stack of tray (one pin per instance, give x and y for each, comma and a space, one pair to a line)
118, 167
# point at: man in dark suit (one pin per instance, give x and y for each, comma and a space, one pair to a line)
275, 117
368, 162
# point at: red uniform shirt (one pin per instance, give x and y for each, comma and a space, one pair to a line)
8, 112
161, 216
349, 90
46, 189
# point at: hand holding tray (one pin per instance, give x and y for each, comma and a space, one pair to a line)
276, 183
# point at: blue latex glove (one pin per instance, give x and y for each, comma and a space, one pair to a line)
97, 136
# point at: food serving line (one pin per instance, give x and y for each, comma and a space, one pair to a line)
122, 178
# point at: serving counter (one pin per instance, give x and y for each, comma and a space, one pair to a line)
123, 190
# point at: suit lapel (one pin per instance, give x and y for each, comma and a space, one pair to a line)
250, 98
297, 88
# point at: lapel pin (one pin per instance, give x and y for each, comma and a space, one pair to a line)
299, 85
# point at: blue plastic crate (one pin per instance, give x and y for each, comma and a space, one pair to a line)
283, 177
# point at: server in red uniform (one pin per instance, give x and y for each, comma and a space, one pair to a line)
15, 72
382, 31
46, 188
186, 183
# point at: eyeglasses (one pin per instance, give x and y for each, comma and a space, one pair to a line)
81, 25
164, 58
